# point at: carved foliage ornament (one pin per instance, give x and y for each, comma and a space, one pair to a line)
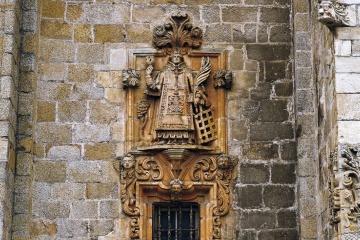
177, 33
333, 14
345, 193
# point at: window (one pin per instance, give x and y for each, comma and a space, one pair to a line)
176, 221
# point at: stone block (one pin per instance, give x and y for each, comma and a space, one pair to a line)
82, 33
22, 203
28, 23
57, 51
305, 101
24, 164
102, 112
274, 15
250, 110
284, 234
273, 111
26, 145
245, 33
51, 210
81, 73
301, 6
68, 191
271, 131
211, 13
276, 196
249, 196
345, 33
5, 107
50, 171
72, 228
138, 33
346, 105
302, 22
262, 151
280, 34
346, 130
284, 89
268, 52
287, 219
254, 173
347, 83
263, 35
239, 14
53, 9
66, 152
347, 64
108, 33
99, 151
41, 227
53, 133
218, 33
52, 71
41, 191
262, 91
90, 53
343, 48
46, 111
91, 133
84, 209
27, 83
288, 151
118, 59
55, 29
303, 58
309, 228
107, 13
109, 209
99, 190
114, 95
258, 220
147, 14
74, 13
86, 172
86, 91
239, 131
101, 227
302, 41
237, 61
275, 70
283, 173
72, 111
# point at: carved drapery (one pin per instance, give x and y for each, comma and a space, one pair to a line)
345, 192
333, 14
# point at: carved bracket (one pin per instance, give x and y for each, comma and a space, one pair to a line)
223, 79
333, 14
131, 78
345, 192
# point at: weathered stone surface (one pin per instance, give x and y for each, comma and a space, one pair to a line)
239, 14
90, 53
67, 152
57, 51
53, 133
82, 33
91, 133
99, 151
283, 173
273, 111
267, 52
278, 196
68, 191
258, 220
271, 131
74, 111
254, 174
262, 151
102, 112
55, 29
100, 191
42, 227
84, 209
49, 171
249, 196
109, 209
105, 33
288, 151
101, 227
278, 235
53, 9
46, 112
71, 228
81, 73
74, 13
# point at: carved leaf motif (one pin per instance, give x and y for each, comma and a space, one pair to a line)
177, 32
127, 193
147, 168
205, 169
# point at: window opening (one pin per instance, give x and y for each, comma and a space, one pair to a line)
176, 221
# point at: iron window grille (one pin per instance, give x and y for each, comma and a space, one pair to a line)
176, 221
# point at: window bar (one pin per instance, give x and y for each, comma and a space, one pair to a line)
191, 222
180, 221
169, 223
159, 222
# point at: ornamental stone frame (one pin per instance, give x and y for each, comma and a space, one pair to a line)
176, 138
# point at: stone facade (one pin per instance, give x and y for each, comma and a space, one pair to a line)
64, 112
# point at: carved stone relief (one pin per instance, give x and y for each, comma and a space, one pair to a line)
176, 128
345, 192
333, 14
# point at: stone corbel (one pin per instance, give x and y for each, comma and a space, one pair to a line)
345, 192
333, 14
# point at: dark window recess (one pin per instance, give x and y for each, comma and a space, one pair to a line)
176, 221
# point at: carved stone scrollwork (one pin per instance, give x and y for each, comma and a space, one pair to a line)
345, 192
177, 32
219, 170
130, 78
223, 79
333, 14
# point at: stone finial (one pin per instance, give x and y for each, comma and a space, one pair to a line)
333, 14
130, 78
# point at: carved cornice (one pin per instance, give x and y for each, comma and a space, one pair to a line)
177, 33
333, 14
345, 192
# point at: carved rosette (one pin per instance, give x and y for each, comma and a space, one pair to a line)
223, 79
130, 78
177, 32
345, 192
219, 170
333, 14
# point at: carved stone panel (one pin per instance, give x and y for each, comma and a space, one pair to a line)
176, 129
